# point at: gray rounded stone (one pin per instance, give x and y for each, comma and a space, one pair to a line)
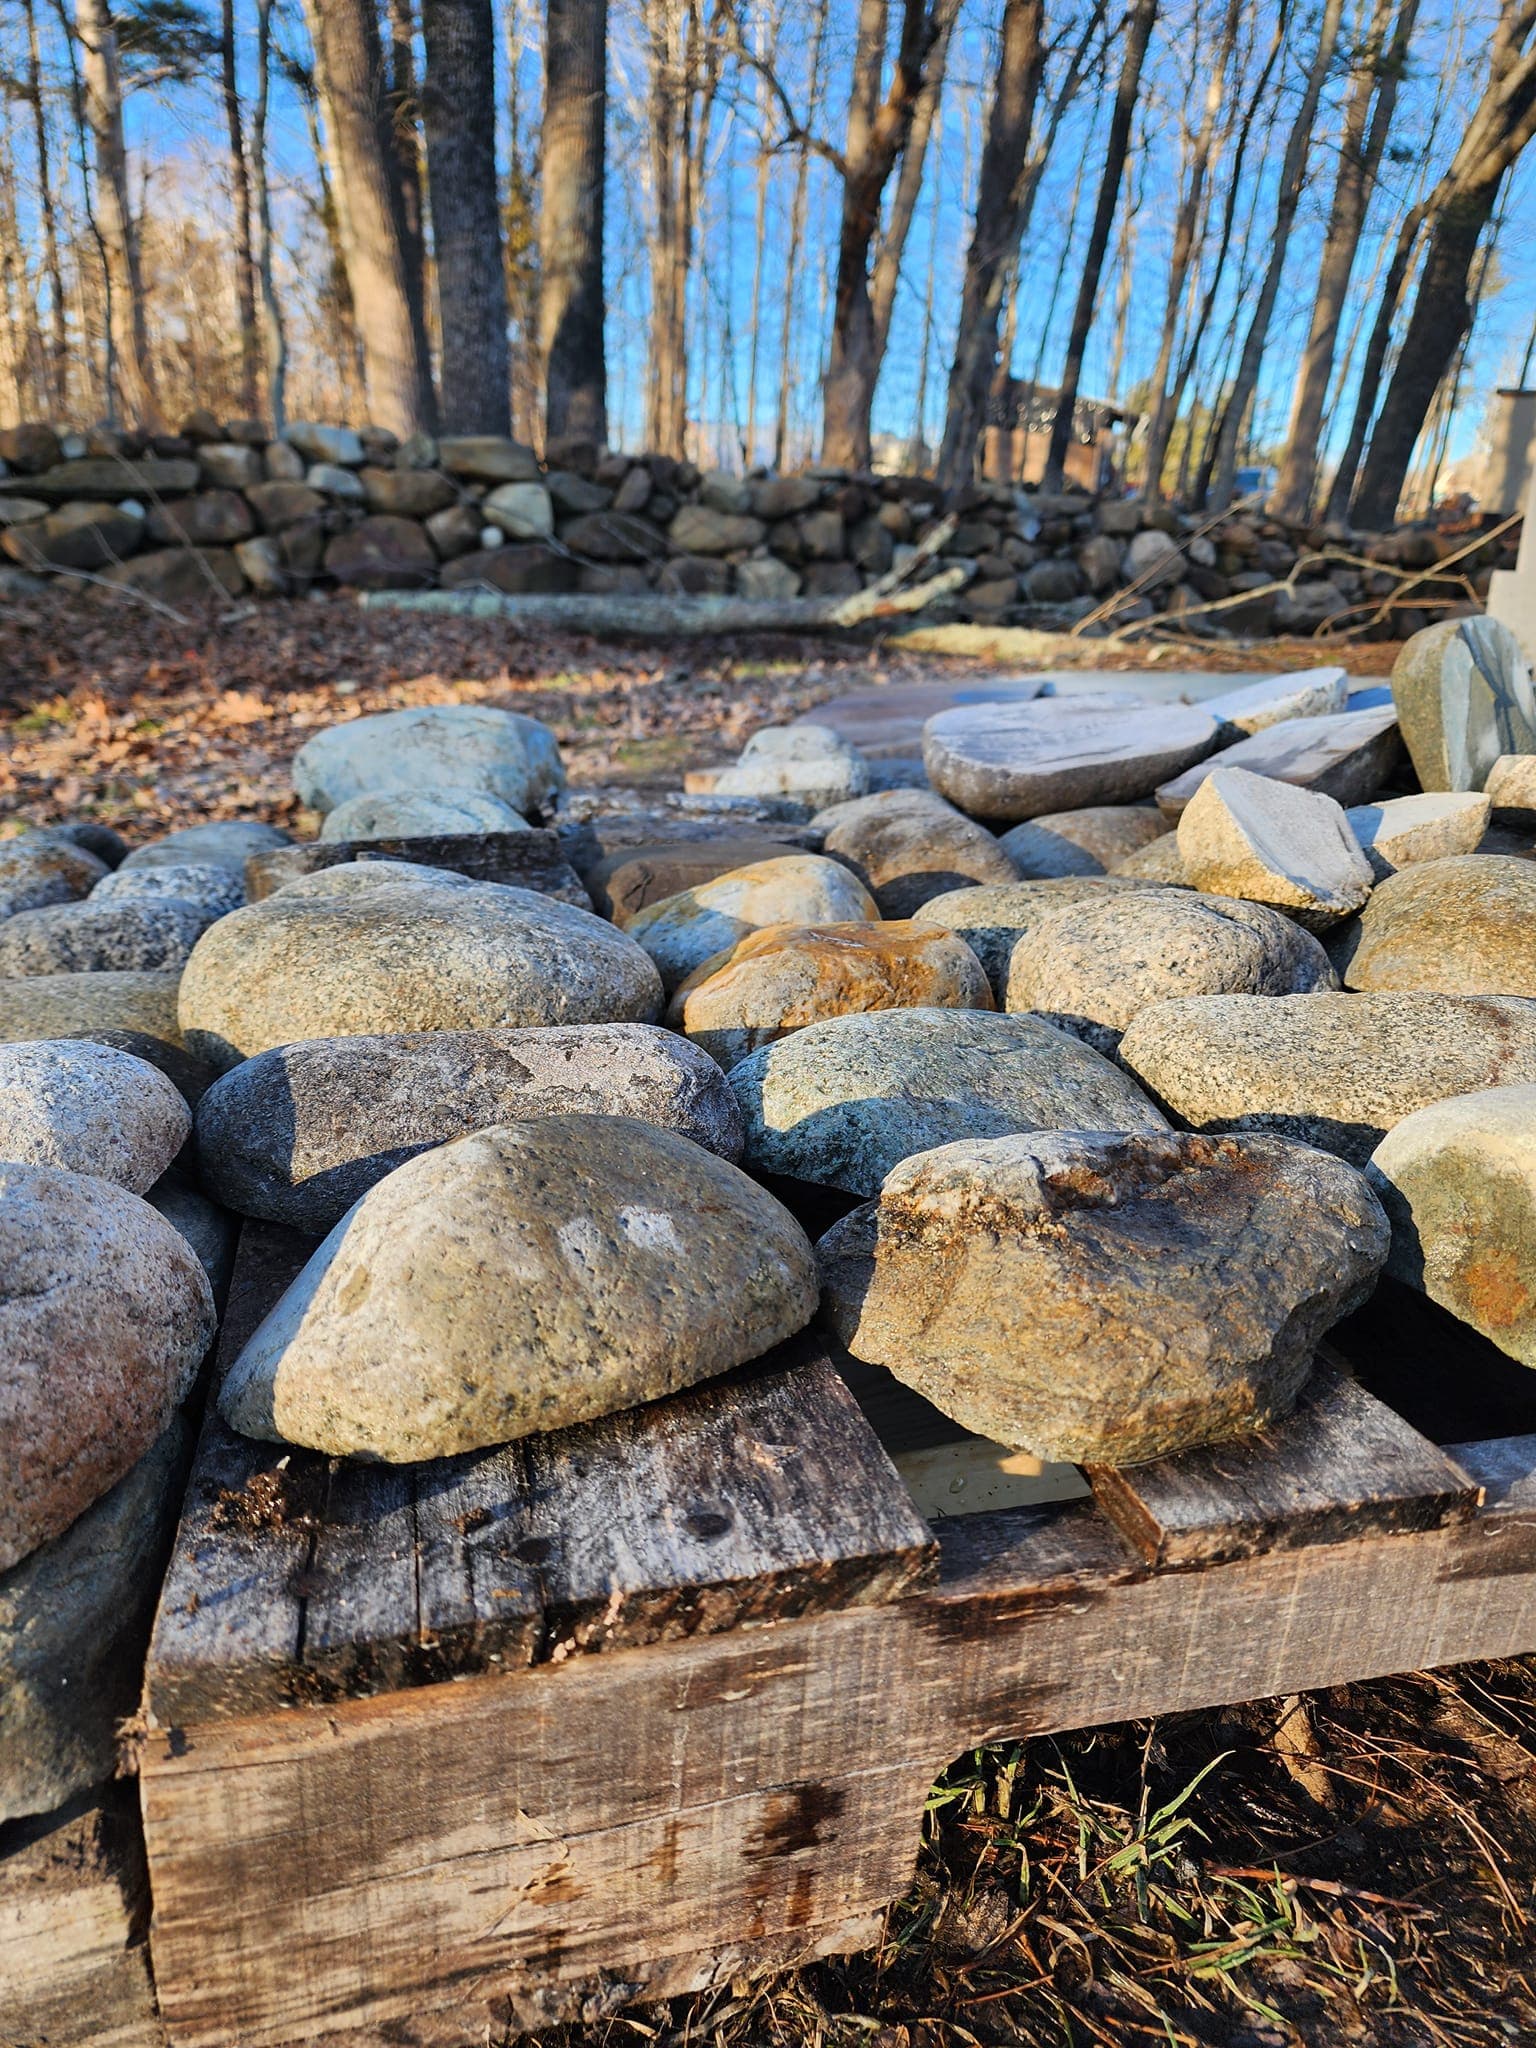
420, 813
299, 1133
909, 845
1336, 1071
222, 843
209, 1229
205, 885
89, 1109
135, 1012
1465, 925
521, 1279
373, 946
1458, 1183
101, 938
39, 868
105, 1314
1014, 761
1104, 1297
1086, 842
74, 1624
681, 932
840, 1102
457, 746
107, 845
1463, 694
807, 761
1093, 966
993, 919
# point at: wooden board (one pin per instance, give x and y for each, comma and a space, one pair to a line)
528, 860
74, 1921
1340, 1465
297, 1578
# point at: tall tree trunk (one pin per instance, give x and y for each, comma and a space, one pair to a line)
1165, 398
909, 179
57, 401
1138, 34
274, 341
1374, 364
1361, 145
797, 211
989, 261
685, 52
571, 220
132, 381
240, 188
365, 185
403, 128
770, 34
1457, 211
459, 114
1293, 178
877, 134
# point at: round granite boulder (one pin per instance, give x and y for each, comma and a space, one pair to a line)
909, 845
992, 920
787, 976
1092, 966
839, 1103
37, 868
105, 1313
1336, 1071
1104, 1298
135, 1012
520, 1279
89, 1109
433, 746
204, 884
681, 932
100, 938
421, 813
222, 843
301, 1132
1465, 925
1086, 842
373, 946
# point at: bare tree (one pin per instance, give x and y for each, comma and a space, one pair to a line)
1000, 193
1367, 120
365, 183
571, 219
1457, 212
130, 381
686, 47
1138, 34
273, 336
57, 383
458, 104
240, 192
797, 214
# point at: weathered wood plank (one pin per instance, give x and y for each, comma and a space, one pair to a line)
74, 1915
528, 860
1342, 1464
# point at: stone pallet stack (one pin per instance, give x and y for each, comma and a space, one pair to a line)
222, 508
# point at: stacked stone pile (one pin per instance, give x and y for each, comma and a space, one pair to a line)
1093, 1156
223, 507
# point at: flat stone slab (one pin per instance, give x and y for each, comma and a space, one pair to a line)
1404, 829
890, 721
1346, 756
1303, 693
1015, 761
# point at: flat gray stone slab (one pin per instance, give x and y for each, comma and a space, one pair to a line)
1015, 761
1345, 755
889, 721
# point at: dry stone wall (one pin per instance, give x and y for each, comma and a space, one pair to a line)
225, 508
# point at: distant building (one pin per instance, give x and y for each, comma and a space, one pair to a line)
1508, 451
1018, 436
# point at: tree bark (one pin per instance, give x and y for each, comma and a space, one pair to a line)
685, 52
365, 185
1361, 145
459, 115
131, 381
994, 246
1457, 211
58, 331
909, 179
797, 212
1138, 35
274, 341
1293, 177
402, 128
1372, 367
240, 188
877, 134
571, 220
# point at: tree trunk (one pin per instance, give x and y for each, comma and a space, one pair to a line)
365, 186
909, 180
402, 126
1138, 35
58, 332
685, 52
994, 242
797, 213
1371, 369
1457, 211
459, 114
877, 134
131, 382
274, 342
1293, 178
1361, 145
570, 220
240, 188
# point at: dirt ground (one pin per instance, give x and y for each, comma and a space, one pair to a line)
1355, 1867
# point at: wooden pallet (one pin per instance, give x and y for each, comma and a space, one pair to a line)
624, 1711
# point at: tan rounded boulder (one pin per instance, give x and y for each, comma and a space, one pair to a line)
105, 1313
683, 931
909, 845
1086, 842
1103, 1297
1465, 925
520, 1279
787, 976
